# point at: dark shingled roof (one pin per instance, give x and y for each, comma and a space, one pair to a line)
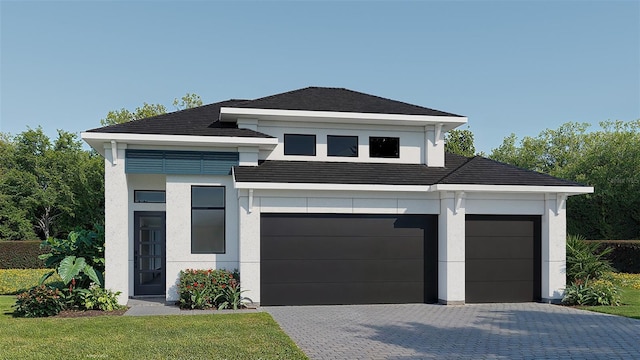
200, 121
338, 99
457, 170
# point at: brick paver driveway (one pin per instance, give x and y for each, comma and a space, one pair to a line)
491, 331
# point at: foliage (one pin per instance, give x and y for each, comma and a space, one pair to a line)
624, 255
97, 298
607, 159
592, 293
21, 255
460, 142
39, 301
148, 110
228, 336
187, 102
13, 281
202, 289
48, 187
80, 256
626, 280
584, 261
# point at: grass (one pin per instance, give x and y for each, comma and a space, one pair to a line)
228, 336
13, 281
630, 294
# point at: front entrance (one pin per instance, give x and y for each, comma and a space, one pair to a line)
149, 253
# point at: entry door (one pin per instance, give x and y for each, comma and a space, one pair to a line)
149, 253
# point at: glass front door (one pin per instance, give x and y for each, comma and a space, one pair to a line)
149, 253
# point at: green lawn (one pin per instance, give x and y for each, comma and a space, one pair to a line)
229, 336
630, 305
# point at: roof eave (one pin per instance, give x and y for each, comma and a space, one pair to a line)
98, 140
569, 190
231, 114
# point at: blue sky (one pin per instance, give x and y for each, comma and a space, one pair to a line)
511, 67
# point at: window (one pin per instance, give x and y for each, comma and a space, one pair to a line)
149, 196
342, 145
296, 144
207, 220
384, 147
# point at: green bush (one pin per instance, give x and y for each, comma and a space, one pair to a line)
39, 301
21, 255
13, 281
624, 255
592, 293
584, 260
97, 298
204, 289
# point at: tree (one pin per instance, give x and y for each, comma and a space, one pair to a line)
187, 102
123, 115
608, 159
460, 142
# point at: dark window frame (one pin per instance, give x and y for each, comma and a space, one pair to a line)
136, 192
315, 144
343, 136
224, 217
396, 154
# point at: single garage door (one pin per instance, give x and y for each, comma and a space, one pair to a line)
313, 259
502, 259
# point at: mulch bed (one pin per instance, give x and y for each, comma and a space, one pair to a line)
89, 313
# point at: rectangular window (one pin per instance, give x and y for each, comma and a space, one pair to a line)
384, 147
297, 144
149, 196
207, 219
342, 145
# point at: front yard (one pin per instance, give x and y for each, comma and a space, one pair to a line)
229, 336
630, 304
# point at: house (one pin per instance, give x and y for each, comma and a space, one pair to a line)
326, 196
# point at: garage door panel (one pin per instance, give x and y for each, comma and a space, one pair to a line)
499, 270
504, 227
504, 291
337, 225
481, 247
338, 293
342, 247
342, 271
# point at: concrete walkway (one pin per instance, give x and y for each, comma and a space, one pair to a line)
487, 331
158, 306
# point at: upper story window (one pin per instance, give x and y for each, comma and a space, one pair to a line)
299, 144
342, 145
149, 196
384, 147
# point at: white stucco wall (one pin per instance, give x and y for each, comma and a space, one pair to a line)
179, 256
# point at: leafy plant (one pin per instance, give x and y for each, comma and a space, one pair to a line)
230, 297
97, 298
204, 289
39, 301
592, 293
584, 261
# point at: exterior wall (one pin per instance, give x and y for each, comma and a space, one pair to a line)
554, 249
451, 250
412, 141
178, 207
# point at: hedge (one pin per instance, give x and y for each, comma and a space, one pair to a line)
21, 255
13, 281
625, 254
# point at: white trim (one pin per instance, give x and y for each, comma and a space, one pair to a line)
231, 114
95, 140
560, 200
114, 152
338, 187
569, 190
250, 209
438, 128
459, 198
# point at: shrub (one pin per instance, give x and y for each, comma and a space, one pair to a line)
624, 255
13, 281
203, 289
97, 298
584, 260
592, 293
21, 255
39, 301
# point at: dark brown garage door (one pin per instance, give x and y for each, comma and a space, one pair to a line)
502, 259
312, 259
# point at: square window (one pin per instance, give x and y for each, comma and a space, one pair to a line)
384, 147
298, 144
207, 220
342, 146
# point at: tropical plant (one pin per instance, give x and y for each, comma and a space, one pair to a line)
230, 297
584, 261
203, 289
592, 293
98, 298
39, 301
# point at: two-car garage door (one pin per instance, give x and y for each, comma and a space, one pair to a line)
348, 259
367, 259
